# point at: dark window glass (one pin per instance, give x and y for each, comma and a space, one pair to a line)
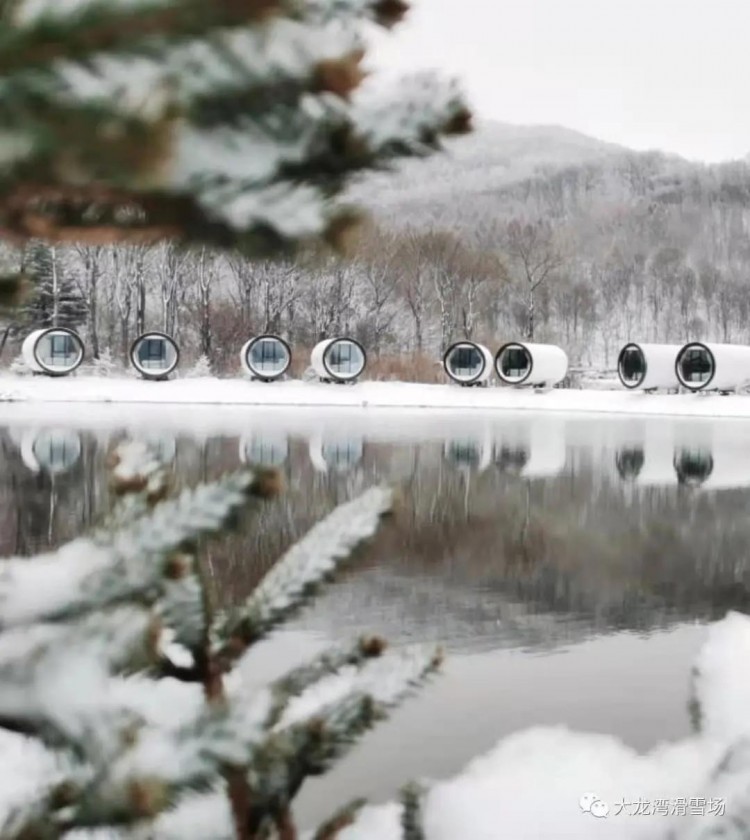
695, 365
632, 367
515, 363
152, 353
465, 361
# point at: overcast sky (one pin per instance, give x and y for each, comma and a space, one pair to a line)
668, 74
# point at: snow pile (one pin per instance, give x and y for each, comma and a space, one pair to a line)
365, 394
542, 783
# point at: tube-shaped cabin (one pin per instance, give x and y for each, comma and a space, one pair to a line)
468, 363
713, 367
266, 357
648, 367
338, 360
155, 355
531, 365
55, 351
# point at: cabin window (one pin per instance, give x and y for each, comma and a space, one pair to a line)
268, 355
696, 365
345, 357
632, 365
62, 350
465, 361
153, 353
515, 363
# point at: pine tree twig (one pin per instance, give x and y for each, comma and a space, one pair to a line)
330, 662
344, 817
298, 574
411, 816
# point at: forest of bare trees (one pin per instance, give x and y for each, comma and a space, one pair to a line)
613, 247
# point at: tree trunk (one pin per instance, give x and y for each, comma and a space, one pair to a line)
530, 313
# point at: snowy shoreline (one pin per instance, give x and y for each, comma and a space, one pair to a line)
371, 395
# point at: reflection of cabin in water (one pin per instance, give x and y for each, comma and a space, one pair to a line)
53, 451
537, 449
154, 355
266, 357
339, 455
55, 351
265, 450
469, 454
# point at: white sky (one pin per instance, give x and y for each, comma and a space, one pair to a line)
668, 74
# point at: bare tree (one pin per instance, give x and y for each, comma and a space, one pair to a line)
534, 254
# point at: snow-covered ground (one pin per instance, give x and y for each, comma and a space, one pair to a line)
240, 392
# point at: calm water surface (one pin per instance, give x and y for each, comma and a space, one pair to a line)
568, 565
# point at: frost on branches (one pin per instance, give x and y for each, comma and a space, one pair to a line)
234, 123
122, 703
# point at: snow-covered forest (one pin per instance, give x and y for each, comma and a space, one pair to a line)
513, 232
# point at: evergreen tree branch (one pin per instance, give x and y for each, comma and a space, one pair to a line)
344, 817
297, 575
132, 563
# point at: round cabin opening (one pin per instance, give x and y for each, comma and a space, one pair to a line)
57, 351
695, 366
514, 364
154, 355
268, 357
631, 366
341, 456
693, 467
344, 358
56, 451
464, 362
629, 463
511, 459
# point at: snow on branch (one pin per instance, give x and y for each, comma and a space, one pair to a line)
296, 576
54, 677
131, 563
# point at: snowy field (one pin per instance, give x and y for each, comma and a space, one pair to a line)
239, 392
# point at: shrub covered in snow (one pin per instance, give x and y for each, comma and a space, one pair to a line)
201, 369
105, 365
18, 366
122, 694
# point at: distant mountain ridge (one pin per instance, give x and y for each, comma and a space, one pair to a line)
500, 166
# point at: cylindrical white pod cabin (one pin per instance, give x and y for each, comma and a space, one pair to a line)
713, 367
154, 355
468, 363
335, 454
338, 360
532, 365
55, 351
266, 357
264, 449
647, 367
53, 451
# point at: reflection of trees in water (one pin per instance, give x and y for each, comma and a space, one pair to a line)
546, 558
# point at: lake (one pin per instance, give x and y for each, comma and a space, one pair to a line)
567, 564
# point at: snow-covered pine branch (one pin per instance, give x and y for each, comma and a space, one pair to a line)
296, 576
